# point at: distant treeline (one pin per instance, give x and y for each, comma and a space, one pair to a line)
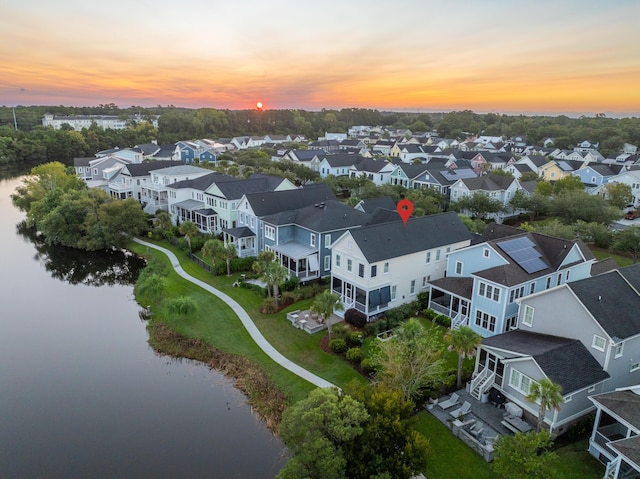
33, 144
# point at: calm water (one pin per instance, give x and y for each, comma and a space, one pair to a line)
82, 395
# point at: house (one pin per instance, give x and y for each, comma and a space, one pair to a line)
593, 175
381, 266
97, 172
338, 164
598, 316
249, 235
167, 152
302, 237
497, 187
378, 171
586, 146
189, 151
615, 438
484, 281
404, 173
627, 177
556, 169
303, 157
128, 183
409, 153
155, 192
440, 178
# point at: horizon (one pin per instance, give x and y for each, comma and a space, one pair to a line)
573, 57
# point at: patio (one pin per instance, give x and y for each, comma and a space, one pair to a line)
480, 427
306, 321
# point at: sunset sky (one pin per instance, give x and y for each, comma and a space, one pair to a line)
510, 56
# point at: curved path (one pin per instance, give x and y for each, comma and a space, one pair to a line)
255, 334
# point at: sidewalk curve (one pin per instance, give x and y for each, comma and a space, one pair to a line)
249, 325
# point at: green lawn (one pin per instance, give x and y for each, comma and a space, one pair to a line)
577, 463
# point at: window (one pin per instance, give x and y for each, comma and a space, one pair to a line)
337, 261
428, 257
374, 271
327, 241
437, 255
394, 292
634, 367
448, 248
269, 232
349, 265
566, 279
485, 252
532, 289
527, 315
412, 290
619, 349
361, 270
425, 280
568, 398
519, 381
489, 291
485, 321
598, 342
386, 268
548, 282
313, 241
516, 293
458, 267
349, 244
591, 389
327, 263
559, 279
253, 222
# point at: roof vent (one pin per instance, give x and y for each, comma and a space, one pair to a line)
316, 205
599, 298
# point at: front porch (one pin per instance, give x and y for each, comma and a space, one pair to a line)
370, 302
243, 239
196, 212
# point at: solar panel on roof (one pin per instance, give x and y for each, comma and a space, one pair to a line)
516, 244
523, 252
533, 265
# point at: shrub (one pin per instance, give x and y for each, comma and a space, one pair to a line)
368, 366
354, 338
259, 290
355, 318
423, 300
340, 331
354, 355
443, 320
287, 298
268, 306
338, 346
289, 285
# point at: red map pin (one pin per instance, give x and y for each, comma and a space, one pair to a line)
405, 208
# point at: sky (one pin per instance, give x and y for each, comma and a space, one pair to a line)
504, 56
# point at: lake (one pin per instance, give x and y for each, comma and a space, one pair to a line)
82, 395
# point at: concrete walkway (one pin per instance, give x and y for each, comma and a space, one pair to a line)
255, 334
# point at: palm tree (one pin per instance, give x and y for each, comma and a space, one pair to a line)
463, 341
216, 249
276, 274
325, 304
188, 229
549, 394
260, 265
163, 223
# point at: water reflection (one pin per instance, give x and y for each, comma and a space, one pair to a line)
91, 268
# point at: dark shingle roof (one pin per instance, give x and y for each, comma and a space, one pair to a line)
390, 240
625, 404
459, 286
370, 204
145, 168
271, 202
629, 448
236, 188
488, 182
201, 183
325, 216
603, 266
565, 361
612, 301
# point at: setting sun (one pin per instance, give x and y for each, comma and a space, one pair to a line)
259, 105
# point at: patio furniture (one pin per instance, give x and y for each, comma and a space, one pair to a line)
497, 398
461, 411
476, 429
452, 401
515, 424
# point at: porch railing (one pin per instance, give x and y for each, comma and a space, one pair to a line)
459, 320
439, 308
482, 383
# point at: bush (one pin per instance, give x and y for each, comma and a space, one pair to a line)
289, 285
355, 318
340, 331
259, 290
443, 320
268, 306
354, 339
338, 346
423, 300
354, 355
367, 366
287, 298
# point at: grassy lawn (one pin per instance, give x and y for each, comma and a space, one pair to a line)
601, 254
577, 463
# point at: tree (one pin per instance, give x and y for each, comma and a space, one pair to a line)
618, 194
259, 266
316, 430
568, 183
189, 230
217, 250
535, 204
389, 446
627, 241
182, 305
478, 204
113, 224
163, 224
275, 275
411, 359
463, 341
549, 394
574, 205
525, 456
325, 304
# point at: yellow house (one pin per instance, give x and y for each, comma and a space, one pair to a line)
554, 170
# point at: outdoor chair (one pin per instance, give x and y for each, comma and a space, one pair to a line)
461, 411
452, 401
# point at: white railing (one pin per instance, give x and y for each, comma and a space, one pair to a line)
612, 467
482, 382
459, 320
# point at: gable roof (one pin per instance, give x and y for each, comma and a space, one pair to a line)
270, 202
369, 205
612, 301
625, 404
235, 188
565, 361
392, 239
488, 182
325, 216
146, 167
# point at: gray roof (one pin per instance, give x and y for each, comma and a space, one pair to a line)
341, 159
240, 232
235, 189
180, 170
565, 361
203, 182
369, 205
271, 202
146, 167
394, 239
612, 301
324, 216
488, 182
629, 448
624, 404
77, 162
462, 287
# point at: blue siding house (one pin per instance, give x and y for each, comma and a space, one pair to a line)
189, 151
484, 281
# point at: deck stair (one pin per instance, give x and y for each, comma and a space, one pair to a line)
482, 383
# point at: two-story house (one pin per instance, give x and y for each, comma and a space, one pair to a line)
154, 193
484, 281
384, 265
597, 316
128, 183
496, 187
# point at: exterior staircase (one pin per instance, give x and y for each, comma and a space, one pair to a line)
459, 320
482, 383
